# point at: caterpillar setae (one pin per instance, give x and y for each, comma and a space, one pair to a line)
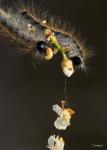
42, 38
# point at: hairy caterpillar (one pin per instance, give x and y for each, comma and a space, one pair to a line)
40, 38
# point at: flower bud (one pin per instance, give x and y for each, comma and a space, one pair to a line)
67, 67
47, 32
49, 54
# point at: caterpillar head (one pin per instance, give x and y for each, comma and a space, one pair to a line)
71, 49
51, 41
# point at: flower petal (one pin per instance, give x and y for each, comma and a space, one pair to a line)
51, 142
61, 123
57, 109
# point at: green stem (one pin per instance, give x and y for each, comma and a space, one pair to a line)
58, 47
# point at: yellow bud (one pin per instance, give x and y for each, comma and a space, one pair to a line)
47, 32
49, 54
53, 39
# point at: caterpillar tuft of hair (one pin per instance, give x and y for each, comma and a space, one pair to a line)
42, 38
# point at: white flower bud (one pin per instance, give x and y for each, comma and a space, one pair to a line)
67, 67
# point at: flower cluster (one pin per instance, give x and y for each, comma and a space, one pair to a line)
66, 64
61, 123
64, 116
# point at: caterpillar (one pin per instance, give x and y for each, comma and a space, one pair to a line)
42, 38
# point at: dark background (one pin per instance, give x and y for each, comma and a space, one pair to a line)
27, 95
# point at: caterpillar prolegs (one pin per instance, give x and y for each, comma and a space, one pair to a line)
42, 39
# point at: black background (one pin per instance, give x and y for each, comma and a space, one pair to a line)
27, 95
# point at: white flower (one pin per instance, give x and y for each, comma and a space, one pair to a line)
55, 143
67, 67
64, 116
